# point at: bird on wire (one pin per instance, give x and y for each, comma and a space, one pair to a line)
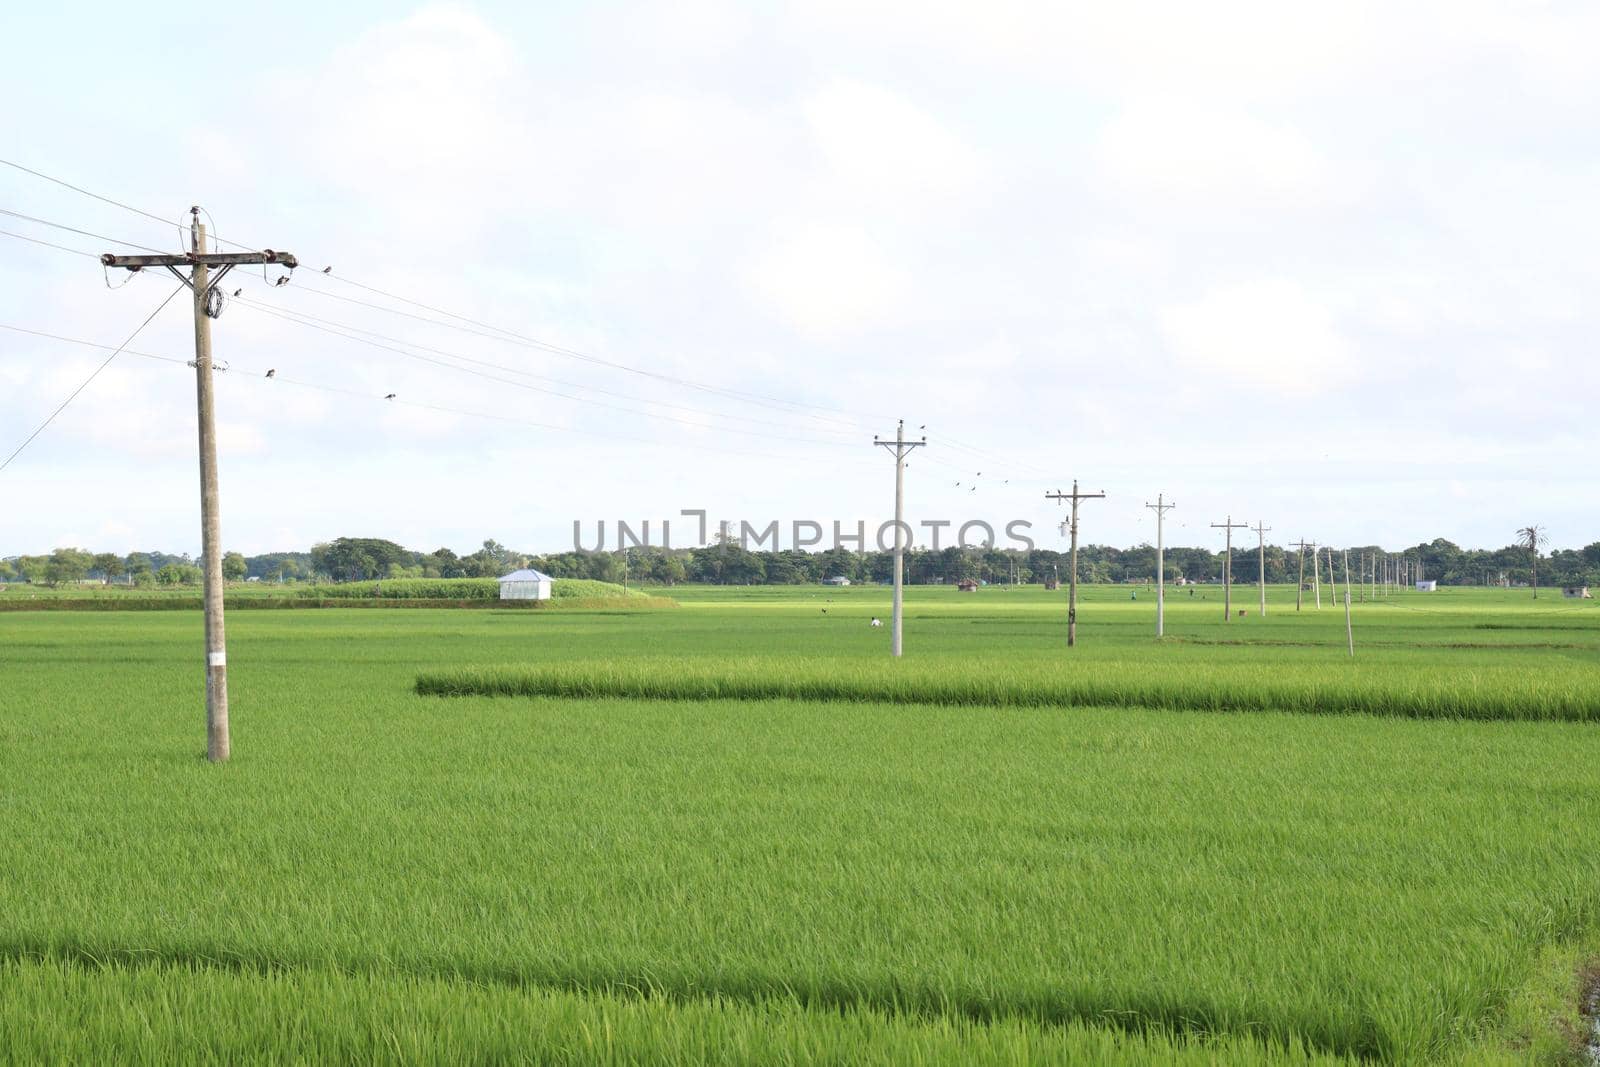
391, 396
327, 270
273, 373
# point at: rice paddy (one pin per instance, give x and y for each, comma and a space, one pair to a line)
794, 851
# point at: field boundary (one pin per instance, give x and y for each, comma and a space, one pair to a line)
262, 603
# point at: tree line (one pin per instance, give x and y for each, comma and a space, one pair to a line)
729, 563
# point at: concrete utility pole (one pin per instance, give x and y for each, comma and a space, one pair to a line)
1227, 565
1261, 564
1161, 507
207, 306
1349, 634
901, 449
1072, 570
1300, 582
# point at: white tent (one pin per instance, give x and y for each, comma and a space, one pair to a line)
525, 585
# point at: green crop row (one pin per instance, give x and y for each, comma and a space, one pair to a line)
67, 1011
1483, 692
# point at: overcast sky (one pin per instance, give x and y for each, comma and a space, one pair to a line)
1331, 266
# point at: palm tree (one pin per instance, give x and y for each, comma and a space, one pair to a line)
1532, 538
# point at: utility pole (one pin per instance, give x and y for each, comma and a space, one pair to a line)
1261, 564
1300, 582
1161, 507
1349, 634
207, 306
1072, 569
1227, 565
901, 449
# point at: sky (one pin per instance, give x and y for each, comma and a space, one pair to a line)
1327, 267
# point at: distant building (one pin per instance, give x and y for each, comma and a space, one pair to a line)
967, 585
1577, 592
525, 585
1427, 585
837, 579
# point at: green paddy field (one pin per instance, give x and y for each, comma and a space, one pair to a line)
734, 831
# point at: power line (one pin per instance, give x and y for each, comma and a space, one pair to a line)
495, 333
310, 320
74, 395
562, 350
257, 375
840, 416
289, 317
499, 332
48, 244
81, 233
85, 192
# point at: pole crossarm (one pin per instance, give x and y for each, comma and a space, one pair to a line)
206, 269
1072, 580
1161, 507
207, 259
901, 449
1228, 527
1261, 562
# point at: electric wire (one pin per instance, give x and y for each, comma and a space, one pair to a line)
494, 332
81, 233
240, 372
499, 332
85, 384
333, 324
288, 317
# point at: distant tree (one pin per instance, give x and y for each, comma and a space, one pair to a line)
1532, 537
445, 564
354, 559
670, 570
109, 564
32, 568
143, 579
8, 571
67, 565
180, 574
234, 568
139, 563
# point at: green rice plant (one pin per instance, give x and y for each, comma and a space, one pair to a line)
69, 1011
1486, 692
1174, 886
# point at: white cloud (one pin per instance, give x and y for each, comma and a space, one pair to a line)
876, 141
1265, 334
1177, 148
827, 280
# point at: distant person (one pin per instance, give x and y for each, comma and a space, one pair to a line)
876, 622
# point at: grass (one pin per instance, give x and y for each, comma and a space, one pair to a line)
781, 879
76, 1012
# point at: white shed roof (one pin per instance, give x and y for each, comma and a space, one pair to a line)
526, 575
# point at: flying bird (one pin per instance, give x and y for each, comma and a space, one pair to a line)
391, 396
273, 373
